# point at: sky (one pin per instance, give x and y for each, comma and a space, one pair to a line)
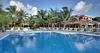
85, 7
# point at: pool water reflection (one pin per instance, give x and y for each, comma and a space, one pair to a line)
46, 42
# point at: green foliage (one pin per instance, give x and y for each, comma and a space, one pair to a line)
97, 19
82, 26
44, 17
35, 22
54, 16
4, 20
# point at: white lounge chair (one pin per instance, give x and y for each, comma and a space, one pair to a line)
25, 29
62, 28
82, 30
49, 28
70, 29
66, 29
18, 29
12, 28
57, 28
75, 29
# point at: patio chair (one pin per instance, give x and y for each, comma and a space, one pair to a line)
25, 29
70, 29
66, 29
62, 28
18, 29
12, 28
82, 30
75, 29
57, 28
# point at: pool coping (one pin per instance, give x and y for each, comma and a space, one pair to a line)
63, 32
5, 34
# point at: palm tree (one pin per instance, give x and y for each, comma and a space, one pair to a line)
65, 15
43, 16
54, 17
31, 21
35, 22
0, 7
4, 20
21, 18
12, 14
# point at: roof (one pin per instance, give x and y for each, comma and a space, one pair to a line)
75, 20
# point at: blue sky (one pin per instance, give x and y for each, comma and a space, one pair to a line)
91, 7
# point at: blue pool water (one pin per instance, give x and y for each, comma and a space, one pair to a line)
46, 42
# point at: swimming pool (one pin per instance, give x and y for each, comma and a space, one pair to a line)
49, 42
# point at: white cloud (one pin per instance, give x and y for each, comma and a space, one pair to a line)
82, 7
28, 9
34, 11
29, 6
20, 6
31, 10
12, 3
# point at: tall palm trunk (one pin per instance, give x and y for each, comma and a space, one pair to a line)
53, 25
64, 26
